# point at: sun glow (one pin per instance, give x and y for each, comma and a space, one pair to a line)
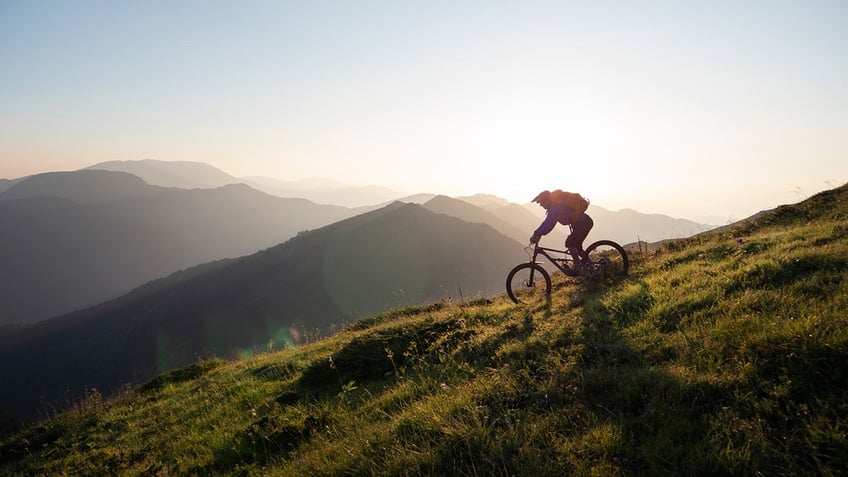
652, 106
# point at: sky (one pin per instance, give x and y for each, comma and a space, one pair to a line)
693, 109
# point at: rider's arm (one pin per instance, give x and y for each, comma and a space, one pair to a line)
556, 213
547, 225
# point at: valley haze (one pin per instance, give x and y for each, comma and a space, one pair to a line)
74, 239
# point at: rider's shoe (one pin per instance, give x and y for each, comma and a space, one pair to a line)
585, 267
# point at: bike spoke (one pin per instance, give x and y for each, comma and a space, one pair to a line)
526, 283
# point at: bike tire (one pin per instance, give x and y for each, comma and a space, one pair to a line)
523, 284
609, 259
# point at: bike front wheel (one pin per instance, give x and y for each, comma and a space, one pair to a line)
609, 260
528, 281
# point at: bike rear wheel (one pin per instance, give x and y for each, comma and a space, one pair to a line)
527, 282
609, 260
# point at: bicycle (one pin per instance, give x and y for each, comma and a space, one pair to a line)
527, 281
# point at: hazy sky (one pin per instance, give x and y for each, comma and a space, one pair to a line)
680, 107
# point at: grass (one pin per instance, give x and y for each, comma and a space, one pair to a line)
723, 354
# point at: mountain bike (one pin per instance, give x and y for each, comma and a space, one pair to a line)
527, 281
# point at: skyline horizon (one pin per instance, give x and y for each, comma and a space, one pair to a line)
688, 109
716, 220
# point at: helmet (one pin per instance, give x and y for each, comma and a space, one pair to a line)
545, 195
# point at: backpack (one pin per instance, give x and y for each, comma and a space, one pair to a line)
572, 200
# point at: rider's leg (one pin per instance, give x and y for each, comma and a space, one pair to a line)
573, 246
576, 254
574, 243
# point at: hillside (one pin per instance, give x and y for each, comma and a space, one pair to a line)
58, 256
315, 282
724, 354
76, 239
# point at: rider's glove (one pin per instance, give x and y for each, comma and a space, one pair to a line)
534, 239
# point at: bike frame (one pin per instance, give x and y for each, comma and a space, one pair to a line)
564, 263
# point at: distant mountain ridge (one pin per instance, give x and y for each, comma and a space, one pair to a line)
75, 239
399, 255
86, 187
180, 174
325, 192
625, 226
190, 175
628, 226
7, 183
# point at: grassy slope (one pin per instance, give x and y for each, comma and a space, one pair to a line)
722, 354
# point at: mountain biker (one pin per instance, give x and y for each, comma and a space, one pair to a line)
581, 224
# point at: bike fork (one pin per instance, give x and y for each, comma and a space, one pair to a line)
531, 280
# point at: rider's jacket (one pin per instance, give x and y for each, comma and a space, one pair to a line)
558, 213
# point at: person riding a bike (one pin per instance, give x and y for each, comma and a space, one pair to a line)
600, 262
580, 223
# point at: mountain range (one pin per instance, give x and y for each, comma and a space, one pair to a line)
75, 239
192, 175
624, 226
399, 255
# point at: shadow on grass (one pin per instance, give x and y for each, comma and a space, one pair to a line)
659, 420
